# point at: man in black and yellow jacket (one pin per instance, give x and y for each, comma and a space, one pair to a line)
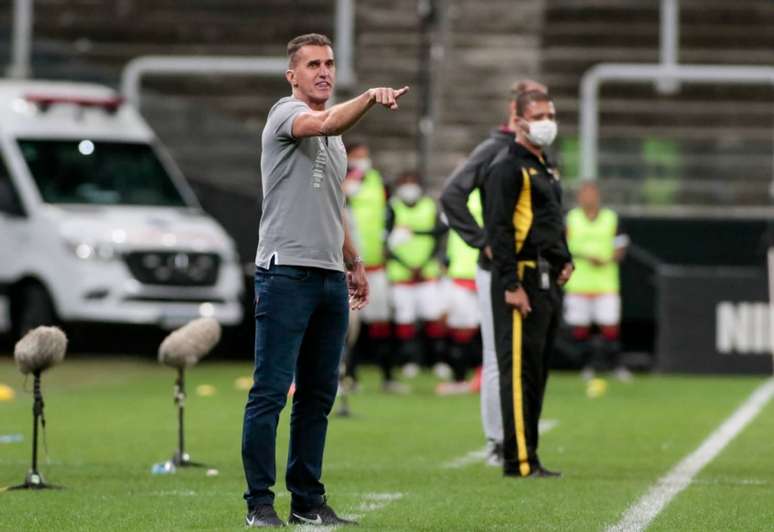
530, 262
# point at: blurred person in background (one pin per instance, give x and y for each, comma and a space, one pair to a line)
308, 274
463, 314
367, 200
592, 296
531, 261
413, 269
467, 178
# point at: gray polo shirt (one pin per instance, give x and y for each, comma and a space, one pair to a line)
302, 197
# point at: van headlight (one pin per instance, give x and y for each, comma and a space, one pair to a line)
90, 251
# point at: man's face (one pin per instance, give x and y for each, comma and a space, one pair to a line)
313, 75
588, 197
539, 111
408, 189
358, 154
358, 163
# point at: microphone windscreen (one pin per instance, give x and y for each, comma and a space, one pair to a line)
185, 346
40, 349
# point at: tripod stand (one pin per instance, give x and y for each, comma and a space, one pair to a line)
181, 458
34, 480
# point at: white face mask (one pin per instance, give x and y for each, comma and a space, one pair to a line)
409, 193
364, 165
542, 132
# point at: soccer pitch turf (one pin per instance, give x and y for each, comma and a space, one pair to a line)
399, 463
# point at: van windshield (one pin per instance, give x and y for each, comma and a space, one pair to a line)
99, 173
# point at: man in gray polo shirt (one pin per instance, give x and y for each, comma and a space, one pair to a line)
308, 274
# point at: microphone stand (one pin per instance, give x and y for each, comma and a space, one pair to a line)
181, 458
34, 480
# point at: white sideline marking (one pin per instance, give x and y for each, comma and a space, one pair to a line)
173, 493
546, 425
471, 458
642, 513
371, 503
479, 455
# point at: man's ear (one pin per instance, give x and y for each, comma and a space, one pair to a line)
512, 107
290, 75
522, 125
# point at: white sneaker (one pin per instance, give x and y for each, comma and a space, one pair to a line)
623, 374
587, 373
395, 387
452, 388
442, 371
349, 385
411, 370
494, 453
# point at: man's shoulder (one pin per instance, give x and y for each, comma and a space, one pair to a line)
285, 108
278, 127
491, 146
373, 177
287, 102
506, 161
575, 215
608, 213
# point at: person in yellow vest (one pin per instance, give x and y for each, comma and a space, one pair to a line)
463, 316
367, 201
592, 295
414, 232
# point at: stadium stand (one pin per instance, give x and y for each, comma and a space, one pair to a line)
717, 140
718, 133
704, 146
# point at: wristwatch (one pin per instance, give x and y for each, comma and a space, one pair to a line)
357, 259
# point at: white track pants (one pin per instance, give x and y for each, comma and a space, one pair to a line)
491, 412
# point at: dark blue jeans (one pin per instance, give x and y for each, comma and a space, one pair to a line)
301, 317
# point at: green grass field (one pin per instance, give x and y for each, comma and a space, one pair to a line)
109, 421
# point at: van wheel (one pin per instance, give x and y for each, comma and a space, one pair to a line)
35, 309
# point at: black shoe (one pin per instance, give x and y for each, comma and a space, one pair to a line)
542, 472
263, 516
321, 515
535, 472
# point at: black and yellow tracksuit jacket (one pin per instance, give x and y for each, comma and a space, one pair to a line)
525, 216
524, 221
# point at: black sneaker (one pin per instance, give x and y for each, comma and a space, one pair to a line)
321, 515
263, 516
542, 472
535, 472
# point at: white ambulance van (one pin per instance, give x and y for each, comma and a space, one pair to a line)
97, 224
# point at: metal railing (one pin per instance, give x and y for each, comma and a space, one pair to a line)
666, 75
21, 39
159, 65
175, 65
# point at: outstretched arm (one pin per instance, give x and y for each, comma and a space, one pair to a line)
341, 117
